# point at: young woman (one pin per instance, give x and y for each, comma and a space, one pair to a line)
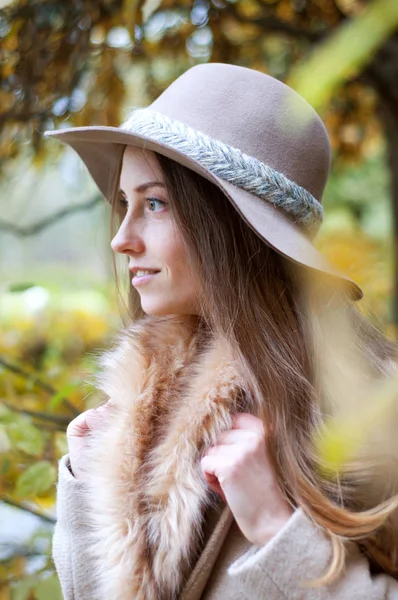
199, 477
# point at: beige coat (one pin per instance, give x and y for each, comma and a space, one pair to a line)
143, 524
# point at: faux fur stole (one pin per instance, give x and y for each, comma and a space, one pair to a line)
173, 389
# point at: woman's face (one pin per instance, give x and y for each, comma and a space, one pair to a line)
149, 237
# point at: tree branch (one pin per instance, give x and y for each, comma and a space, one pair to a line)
32, 511
382, 89
38, 382
24, 116
272, 23
48, 221
57, 419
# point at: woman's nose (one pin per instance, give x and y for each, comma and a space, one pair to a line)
126, 240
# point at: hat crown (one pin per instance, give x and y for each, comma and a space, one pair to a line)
256, 113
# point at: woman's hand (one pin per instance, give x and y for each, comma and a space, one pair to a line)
77, 434
238, 468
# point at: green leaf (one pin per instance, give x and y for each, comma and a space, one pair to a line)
4, 466
36, 480
48, 589
20, 287
4, 411
20, 590
57, 398
25, 436
5, 444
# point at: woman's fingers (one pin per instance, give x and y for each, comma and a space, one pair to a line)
77, 433
217, 467
247, 421
79, 426
86, 421
234, 436
211, 472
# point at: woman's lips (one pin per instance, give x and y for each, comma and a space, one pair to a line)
136, 281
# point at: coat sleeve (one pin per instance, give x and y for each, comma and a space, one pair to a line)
69, 548
300, 552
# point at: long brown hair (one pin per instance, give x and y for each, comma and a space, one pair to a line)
278, 320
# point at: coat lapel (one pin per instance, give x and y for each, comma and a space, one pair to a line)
173, 389
201, 572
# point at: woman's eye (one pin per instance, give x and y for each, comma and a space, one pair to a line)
122, 201
152, 202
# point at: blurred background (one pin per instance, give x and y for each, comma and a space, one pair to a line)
87, 62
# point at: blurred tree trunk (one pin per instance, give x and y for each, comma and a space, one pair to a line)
383, 75
389, 115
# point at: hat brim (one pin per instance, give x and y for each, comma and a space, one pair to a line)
101, 149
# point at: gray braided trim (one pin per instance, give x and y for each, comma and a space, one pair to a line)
230, 164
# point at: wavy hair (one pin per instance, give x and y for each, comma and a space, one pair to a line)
282, 320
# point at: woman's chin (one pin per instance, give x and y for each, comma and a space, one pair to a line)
157, 309
161, 309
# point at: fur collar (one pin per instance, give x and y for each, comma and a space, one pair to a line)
172, 389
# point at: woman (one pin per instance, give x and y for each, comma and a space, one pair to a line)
199, 478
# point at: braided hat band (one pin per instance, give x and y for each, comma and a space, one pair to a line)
230, 164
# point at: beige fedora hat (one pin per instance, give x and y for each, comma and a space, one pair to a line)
250, 134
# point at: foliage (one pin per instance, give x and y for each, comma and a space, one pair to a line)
63, 63
367, 261
46, 357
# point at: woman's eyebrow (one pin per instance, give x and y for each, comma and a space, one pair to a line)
144, 186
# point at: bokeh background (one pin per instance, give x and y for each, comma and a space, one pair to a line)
88, 62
